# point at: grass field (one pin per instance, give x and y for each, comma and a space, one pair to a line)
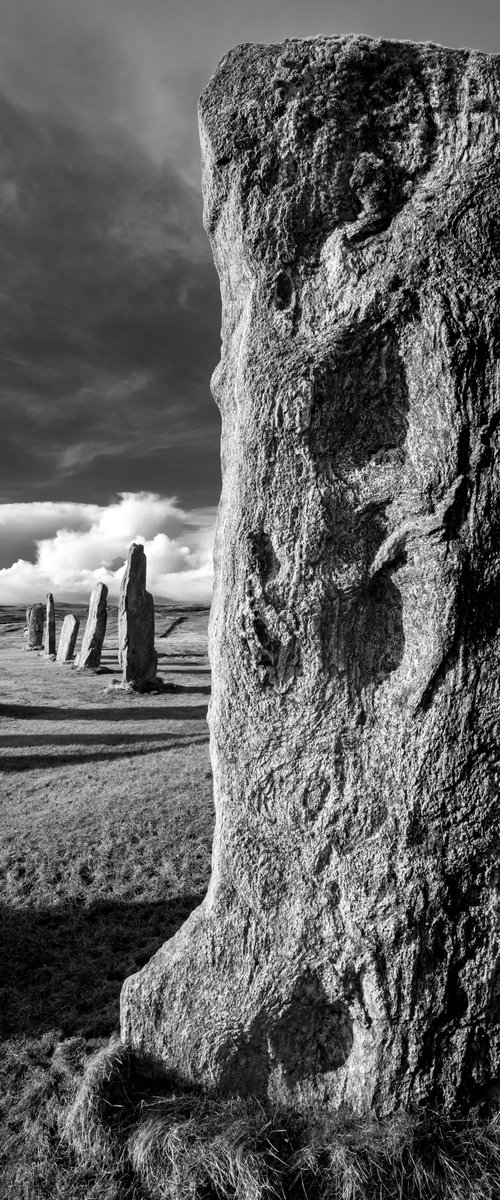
105, 841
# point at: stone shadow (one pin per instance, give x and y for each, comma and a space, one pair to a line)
30, 712
63, 967
17, 763
84, 739
184, 658
312, 1036
202, 690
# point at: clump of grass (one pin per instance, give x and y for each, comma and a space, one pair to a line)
418, 1156
40, 1077
179, 1143
231, 1148
102, 1103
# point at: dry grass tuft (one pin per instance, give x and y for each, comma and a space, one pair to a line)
227, 1149
422, 1156
36, 1163
179, 1143
102, 1103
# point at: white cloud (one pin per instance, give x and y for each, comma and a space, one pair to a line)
79, 545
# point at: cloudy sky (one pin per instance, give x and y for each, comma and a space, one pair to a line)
109, 303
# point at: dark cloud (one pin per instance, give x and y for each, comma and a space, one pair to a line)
108, 66
109, 318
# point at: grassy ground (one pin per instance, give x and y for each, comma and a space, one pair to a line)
104, 850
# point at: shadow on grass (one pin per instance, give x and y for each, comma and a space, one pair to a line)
87, 739
204, 689
64, 966
183, 669
188, 712
134, 711
183, 659
17, 763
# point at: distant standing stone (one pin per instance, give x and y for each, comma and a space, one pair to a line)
136, 622
50, 626
67, 640
34, 627
90, 653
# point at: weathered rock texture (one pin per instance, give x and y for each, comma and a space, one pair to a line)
348, 947
95, 629
34, 627
136, 622
67, 638
50, 626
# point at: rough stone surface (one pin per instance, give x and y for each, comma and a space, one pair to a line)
50, 627
67, 638
136, 622
34, 627
348, 947
95, 629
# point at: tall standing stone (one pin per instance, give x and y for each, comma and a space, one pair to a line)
95, 629
348, 950
50, 626
67, 638
34, 627
136, 622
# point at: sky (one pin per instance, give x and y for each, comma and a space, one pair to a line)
109, 302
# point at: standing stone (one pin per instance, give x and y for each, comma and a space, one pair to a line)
67, 639
50, 627
348, 950
90, 653
136, 622
34, 627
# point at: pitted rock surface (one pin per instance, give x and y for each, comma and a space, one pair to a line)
33, 631
67, 639
348, 947
95, 629
136, 622
50, 627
